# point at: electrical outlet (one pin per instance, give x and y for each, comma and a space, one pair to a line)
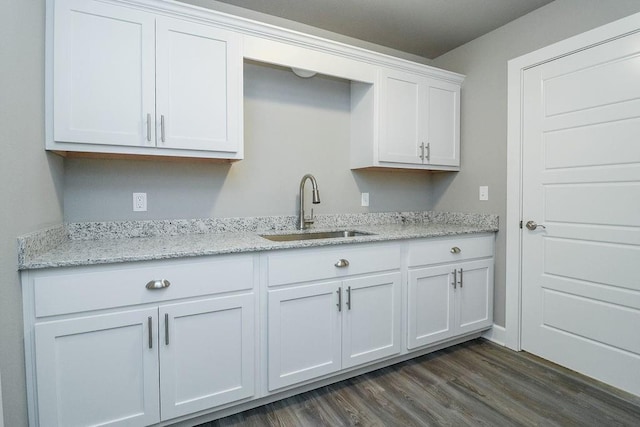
484, 192
365, 199
139, 202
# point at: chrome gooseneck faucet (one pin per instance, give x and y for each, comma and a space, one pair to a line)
304, 221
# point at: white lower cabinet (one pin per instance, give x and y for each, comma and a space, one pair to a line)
304, 333
452, 299
318, 328
102, 348
206, 354
140, 366
371, 318
98, 370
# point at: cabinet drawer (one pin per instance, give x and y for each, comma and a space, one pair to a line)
425, 252
72, 290
318, 264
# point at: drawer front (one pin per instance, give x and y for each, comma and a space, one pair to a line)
426, 252
304, 265
98, 287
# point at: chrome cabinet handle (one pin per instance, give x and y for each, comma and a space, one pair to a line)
428, 152
150, 325
349, 298
166, 329
455, 250
455, 279
149, 127
531, 225
342, 263
460, 283
162, 127
421, 152
158, 284
339, 304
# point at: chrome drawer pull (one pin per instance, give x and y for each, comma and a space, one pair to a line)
158, 284
455, 250
150, 325
162, 136
149, 127
166, 329
342, 263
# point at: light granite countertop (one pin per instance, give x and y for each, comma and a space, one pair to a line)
80, 244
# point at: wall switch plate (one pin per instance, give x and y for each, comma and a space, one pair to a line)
139, 202
365, 199
484, 192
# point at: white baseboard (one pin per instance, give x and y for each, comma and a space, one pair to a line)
496, 334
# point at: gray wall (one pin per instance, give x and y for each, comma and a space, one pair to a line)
484, 106
292, 126
30, 180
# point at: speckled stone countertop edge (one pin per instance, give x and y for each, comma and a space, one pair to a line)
66, 246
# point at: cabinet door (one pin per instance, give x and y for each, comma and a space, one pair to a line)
443, 123
98, 370
199, 89
474, 296
371, 318
431, 305
401, 117
207, 353
104, 65
303, 333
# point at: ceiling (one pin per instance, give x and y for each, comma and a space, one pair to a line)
426, 28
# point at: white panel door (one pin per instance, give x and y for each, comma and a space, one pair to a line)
431, 305
198, 87
104, 82
371, 318
98, 370
304, 333
581, 181
207, 353
443, 124
401, 117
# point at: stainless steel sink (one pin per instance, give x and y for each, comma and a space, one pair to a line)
314, 235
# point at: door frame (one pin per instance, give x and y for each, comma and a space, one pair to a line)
515, 77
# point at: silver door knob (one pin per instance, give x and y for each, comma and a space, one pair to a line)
531, 225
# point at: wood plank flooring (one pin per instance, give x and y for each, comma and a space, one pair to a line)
473, 384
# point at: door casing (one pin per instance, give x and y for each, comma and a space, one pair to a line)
515, 73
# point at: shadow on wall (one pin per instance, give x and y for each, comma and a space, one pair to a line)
440, 183
56, 170
101, 190
391, 190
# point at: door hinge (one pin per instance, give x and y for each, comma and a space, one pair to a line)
520, 224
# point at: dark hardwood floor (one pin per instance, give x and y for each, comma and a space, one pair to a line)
473, 384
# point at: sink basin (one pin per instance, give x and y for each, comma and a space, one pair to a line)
313, 235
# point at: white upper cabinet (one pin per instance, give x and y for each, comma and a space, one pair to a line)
162, 78
126, 81
197, 65
104, 65
419, 122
